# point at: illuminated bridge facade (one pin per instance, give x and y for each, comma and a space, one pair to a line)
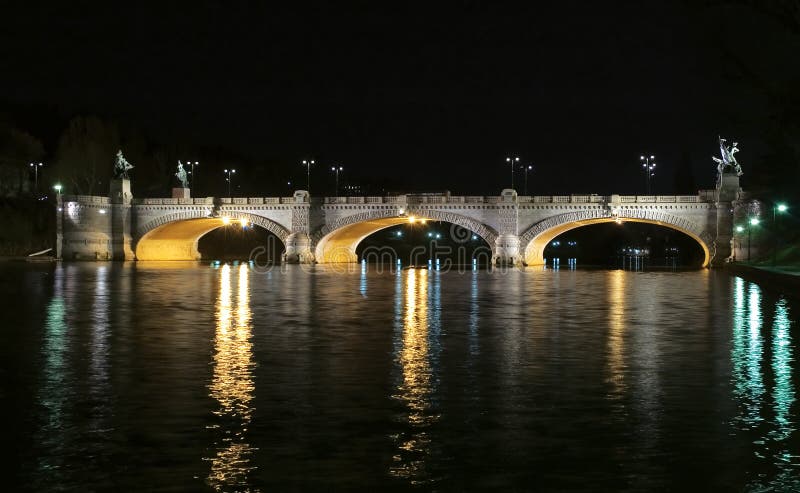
328, 229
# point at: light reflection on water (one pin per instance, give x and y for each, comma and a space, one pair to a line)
616, 332
771, 432
416, 378
233, 385
416, 349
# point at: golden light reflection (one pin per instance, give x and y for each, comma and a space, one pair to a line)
616, 332
232, 384
416, 385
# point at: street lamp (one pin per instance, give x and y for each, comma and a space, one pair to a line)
526, 169
739, 229
307, 164
752, 222
229, 172
57, 188
192, 164
35, 167
512, 161
776, 208
648, 165
337, 169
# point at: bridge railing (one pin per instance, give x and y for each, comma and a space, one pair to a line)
86, 199
703, 196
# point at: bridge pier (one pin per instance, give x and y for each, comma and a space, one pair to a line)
506, 250
298, 249
298, 243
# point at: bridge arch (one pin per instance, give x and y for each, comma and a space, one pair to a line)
337, 241
534, 240
175, 236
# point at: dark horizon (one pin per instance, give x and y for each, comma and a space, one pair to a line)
427, 100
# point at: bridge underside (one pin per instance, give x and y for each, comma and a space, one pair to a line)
534, 252
177, 240
340, 245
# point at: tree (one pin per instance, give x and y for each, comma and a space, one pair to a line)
85, 154
17, 149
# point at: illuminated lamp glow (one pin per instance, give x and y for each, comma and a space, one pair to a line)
102, 211
412, 219
244, 222
226, 220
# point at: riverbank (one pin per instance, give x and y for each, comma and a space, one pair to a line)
785, 279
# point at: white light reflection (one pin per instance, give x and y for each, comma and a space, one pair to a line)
783, 396
232, 385
416, 353
55, 389
748, 384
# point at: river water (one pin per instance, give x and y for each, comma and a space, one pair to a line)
185, 377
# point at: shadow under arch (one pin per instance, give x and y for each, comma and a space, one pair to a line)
539, 235
177, 239
338, 242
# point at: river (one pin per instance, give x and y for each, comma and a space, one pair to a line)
185, 377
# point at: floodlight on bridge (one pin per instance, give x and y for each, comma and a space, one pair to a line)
226, 220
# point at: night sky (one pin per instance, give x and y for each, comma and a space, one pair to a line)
414, 98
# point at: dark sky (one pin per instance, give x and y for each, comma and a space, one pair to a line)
437, 98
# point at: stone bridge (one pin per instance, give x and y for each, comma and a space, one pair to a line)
328, 229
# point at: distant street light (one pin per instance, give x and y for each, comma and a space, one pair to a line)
648, 165
307, 164
337, 169
526, 169
776, 208
57, 188
36, 167
512, 161
228, 173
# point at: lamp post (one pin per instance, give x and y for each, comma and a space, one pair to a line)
752, 222
307, 164
512, 161
739, 229
648, 165
229, 172
776, 208
526, 169
192, 164
337, 169
35, 167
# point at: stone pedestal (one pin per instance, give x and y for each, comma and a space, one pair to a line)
121, 240
120, 191
727, 195
181, 193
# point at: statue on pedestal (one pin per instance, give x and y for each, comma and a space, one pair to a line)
183, 179
727, 161
121, 167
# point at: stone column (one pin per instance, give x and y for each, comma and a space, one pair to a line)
727, 194
121, 198
506, 246
298, 243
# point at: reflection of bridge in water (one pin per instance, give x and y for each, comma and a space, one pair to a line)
328, 229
